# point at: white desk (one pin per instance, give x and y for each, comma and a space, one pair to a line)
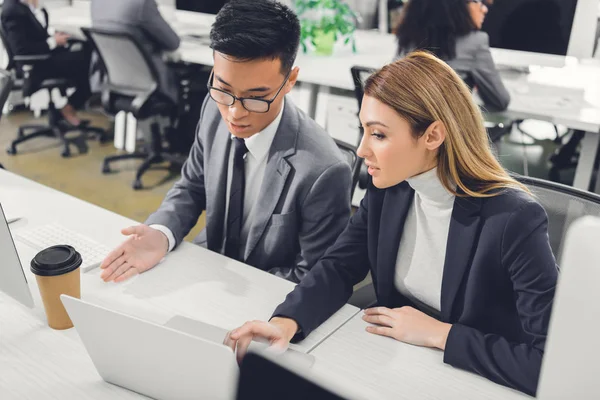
37, 362
387, 369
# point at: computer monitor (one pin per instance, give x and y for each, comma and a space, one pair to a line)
202, 6
12, 277
265, 377
570, 365
540, 32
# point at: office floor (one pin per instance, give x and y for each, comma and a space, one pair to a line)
81, 175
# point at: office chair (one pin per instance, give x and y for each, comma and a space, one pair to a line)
6, 84
133, 86
26, 78
353, 159
563, 205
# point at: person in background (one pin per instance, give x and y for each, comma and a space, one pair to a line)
451, 30
26, 30
275, 187
143, 19
458, 249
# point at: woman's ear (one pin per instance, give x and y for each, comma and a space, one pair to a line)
435, 135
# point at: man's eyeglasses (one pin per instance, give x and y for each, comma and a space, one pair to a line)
249, 103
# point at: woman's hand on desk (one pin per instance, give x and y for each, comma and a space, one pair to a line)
408, 325
144, 248
278, 332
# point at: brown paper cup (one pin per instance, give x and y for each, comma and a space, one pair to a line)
57, 272
51, 287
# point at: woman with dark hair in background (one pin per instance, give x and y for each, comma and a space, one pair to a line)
451, 30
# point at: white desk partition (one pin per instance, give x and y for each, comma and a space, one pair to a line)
37, 362
387, 369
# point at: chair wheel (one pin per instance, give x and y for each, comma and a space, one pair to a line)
66, 153
12, 150
137, 185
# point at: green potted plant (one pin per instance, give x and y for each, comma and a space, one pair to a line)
324, 23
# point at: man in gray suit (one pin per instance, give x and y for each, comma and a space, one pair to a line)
143, 19
274, 185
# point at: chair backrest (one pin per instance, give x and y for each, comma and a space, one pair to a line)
6, 84
9, 52
564, 205
353, 160
359, 76
129, 66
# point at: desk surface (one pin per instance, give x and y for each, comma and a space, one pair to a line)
387, 369
36, 361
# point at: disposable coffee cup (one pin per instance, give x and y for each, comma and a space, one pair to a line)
56, 270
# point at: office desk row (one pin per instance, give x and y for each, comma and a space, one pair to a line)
569, 96
38, 362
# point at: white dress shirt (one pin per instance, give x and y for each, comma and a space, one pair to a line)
255, 163
422, 251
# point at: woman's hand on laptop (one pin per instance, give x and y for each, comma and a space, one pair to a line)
278, 332
144, 248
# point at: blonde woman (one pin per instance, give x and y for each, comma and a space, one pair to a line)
458, 250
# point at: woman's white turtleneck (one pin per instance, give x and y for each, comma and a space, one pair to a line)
420, 260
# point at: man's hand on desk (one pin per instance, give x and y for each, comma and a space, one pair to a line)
408, 325
278, 332
144, 248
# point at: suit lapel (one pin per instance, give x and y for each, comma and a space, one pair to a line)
276, 174
33, 18
462, 235
395, 208
216, 186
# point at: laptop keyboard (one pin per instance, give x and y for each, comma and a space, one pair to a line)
92, 252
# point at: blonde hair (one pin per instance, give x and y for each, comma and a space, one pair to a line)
423, 89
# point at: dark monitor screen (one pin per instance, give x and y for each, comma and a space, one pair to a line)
538, 26
203, 6
263, 379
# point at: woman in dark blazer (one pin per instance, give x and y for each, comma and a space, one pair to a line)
458, 250
27, 34
451, 30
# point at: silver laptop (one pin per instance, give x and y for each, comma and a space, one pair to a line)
570, 367
12, 276
184, 359
151, 359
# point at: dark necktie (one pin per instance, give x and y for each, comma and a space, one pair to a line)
236, 202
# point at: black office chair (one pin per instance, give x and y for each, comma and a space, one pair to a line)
563, 204
353, 159
26, 78
359, 76
133, 86
6, 84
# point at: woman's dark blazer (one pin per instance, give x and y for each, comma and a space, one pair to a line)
497, 287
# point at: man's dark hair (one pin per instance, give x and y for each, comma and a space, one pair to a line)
257, 29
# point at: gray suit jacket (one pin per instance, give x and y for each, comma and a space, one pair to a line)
473, 57
143, 19
304, 199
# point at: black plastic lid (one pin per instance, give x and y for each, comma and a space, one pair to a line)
56, 260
